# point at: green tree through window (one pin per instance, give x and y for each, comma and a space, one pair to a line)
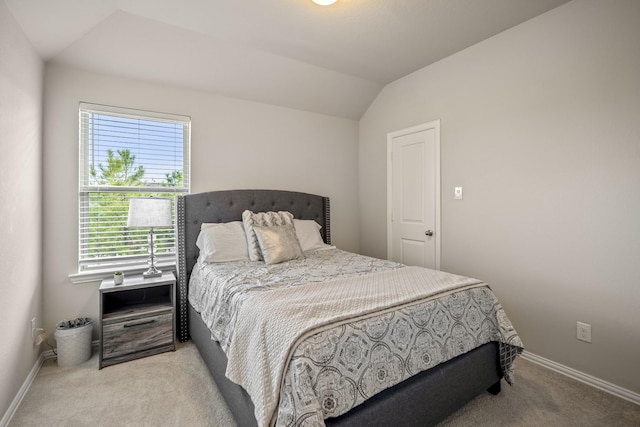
123, 156
120, 170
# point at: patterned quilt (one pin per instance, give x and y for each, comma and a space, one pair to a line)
333, 370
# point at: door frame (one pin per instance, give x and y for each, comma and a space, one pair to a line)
435, 125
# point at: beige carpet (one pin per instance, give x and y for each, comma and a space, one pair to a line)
175, 389
169, 389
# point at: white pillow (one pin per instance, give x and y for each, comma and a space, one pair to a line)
308, 232
222, 242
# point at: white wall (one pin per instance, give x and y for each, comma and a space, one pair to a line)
235, 144
21, 73
541, 126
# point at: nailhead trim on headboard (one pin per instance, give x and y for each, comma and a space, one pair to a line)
181, 264
327, 224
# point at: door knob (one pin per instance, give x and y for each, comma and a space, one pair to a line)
428, 233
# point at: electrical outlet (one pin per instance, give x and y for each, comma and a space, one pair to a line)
584, 332
41, 336
38, 335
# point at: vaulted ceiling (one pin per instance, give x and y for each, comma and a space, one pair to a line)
293, 53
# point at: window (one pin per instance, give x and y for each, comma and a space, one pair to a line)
127, 153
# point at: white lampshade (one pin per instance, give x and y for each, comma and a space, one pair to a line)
149, 212
324, 2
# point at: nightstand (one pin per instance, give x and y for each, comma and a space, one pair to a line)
137, 318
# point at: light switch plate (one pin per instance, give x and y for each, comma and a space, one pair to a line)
457, 193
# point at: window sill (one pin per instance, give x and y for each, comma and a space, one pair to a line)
99, 275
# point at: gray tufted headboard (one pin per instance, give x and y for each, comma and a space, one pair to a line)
223, 206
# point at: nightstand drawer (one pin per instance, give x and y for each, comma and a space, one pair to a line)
137, 331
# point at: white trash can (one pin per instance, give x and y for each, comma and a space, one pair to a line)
73, 338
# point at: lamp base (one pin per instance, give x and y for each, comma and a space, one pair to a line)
152, 272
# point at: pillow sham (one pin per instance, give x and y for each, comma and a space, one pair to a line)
308, 232
222, 242
262, 219
278, 243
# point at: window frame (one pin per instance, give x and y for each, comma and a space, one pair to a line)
91, 269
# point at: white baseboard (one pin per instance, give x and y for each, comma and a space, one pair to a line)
605, 386
4, 422
45, 355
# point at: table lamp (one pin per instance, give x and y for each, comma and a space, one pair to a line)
149, 212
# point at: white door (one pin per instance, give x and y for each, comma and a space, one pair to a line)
413, 195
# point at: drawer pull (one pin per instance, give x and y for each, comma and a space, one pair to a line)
133, 325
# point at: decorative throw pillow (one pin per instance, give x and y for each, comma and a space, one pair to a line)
278, 243
222, 242
262, 219
308, 232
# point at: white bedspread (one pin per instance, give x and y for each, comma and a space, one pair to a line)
277, 320
329, 355
217, 290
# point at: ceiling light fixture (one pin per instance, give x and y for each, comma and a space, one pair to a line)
324, 2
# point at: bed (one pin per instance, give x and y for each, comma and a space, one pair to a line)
423, 398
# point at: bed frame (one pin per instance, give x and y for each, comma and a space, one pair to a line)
422, 400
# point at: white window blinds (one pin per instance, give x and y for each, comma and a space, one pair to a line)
127, 153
